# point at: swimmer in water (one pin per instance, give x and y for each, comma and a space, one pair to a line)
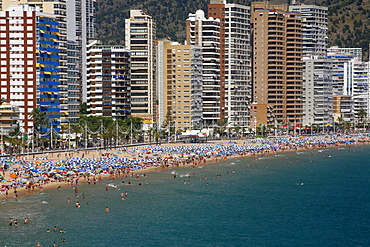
38, 244
107, 209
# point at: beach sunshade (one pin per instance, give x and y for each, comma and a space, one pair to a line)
13, 175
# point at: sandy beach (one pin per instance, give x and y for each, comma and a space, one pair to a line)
29, 174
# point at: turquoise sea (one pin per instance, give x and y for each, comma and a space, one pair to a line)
305, 198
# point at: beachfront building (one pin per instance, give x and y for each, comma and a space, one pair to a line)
174, 73
205, 33
9, 116
108, 81
74, 82
356, 84
140, 41
276, 65
81, 29
317, 84
339, 57
29, 48
235, 67
343, 109
196, 87
338, 62
57, 8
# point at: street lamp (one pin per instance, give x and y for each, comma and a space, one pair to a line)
131, 130
101, 134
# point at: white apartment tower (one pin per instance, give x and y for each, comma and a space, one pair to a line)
205, 33
317, 80
81, 29
356, 84
234, 60
140, 41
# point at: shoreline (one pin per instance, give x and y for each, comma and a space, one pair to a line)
181, 161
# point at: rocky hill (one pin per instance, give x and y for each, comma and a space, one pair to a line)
348, 19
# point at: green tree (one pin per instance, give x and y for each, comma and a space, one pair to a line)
361, 115
83, 108
40, 120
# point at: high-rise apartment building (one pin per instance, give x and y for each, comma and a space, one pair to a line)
175, 86
276, 64
108, 81
356, 84
140, 41
30, 67
74, 82
81, 29
315, 29
196, 87
317, 83
57, 8
205, 33
337, 62
235, 82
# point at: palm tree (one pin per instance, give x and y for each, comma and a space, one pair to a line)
39, 120
76, 129
14, 138
361, 114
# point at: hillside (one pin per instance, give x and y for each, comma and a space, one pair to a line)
348, 19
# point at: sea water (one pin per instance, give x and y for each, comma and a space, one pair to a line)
305, 198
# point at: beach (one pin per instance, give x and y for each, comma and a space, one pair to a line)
288, 192
30, 174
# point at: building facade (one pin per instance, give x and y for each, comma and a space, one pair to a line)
317, 84
235, 81
205, 33
9, 116
140, 41
81, 29
174, 67
108, 81
57, 8
30, 63
356, 84
276, 65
